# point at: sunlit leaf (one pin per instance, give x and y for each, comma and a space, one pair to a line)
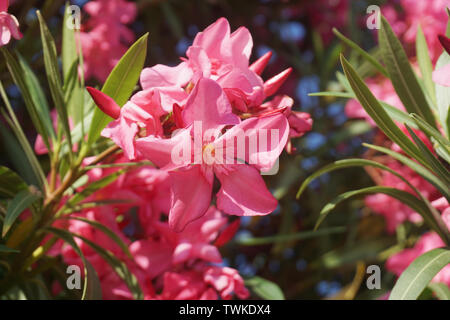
120, 84
265, 289
18, 204
402, 75
419, 273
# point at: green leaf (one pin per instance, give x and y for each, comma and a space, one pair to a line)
18, 75
10, 183
91, 288
18, 157
18, 204
419, 273
405, 197
443, 96
402, 75
377, 112
332, 94
37, 95
440, 289
432, 132
374, 62
425, 65
120, 84
434, 163
5, 249
69, 48
54, 77
107, 231
73, 89
93, 187
290, 237
118, 266
30, 156
424, 172
265, 289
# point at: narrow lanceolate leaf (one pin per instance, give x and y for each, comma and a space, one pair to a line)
441, 290
73, 88
432, 132
403, 196
21, 201
264, 288
425, 65
349, 163
440, 171
424, 172
93, 187
37, 95
53, 76
402, 75
30, 157
416, 277
91, 288
69, 48
374, 62
18, 75
377, 112
120, 84
291, 237
118, 266
443, 96
10, 183
107, 231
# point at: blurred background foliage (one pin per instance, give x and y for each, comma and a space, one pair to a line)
281, 247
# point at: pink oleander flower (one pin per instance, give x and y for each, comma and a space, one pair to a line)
218, 54
204, 283
105, 36
196, 240
400, 261
430, 15
9, 26
243, 191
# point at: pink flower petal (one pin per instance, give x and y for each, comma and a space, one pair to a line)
243, 192
191, 196
209, 105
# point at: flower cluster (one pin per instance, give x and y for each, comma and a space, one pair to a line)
429, 15
167, 265
107, 20
207, 118
9, 26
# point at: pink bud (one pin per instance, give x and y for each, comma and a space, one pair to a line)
273, 84
445, 42
104, 102
259, 65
